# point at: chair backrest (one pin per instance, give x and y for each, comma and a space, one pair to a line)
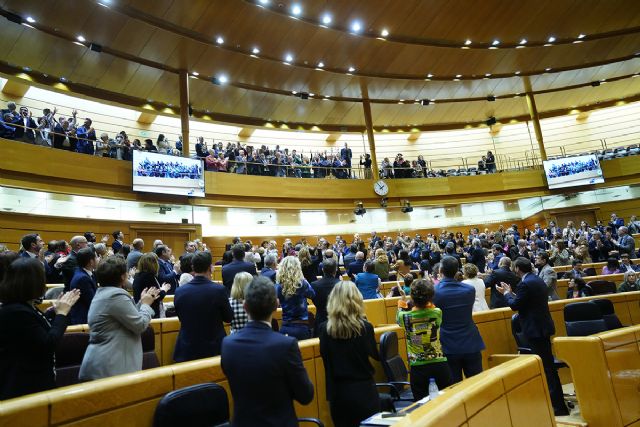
583, 318
392, 363
601, 287
149, 356
197, 405
590, 271
69, 355
608, 313
516, 331
53, 293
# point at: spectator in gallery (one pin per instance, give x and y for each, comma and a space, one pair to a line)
148, 146
491, 162
365, 162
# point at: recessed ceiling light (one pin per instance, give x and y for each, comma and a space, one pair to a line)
30, 20
429, 75
219, 40
255, 51
523, 41
288, 57
223, 78
547, 69
356, 26
320, 64
488, 75
384, 32
495, 42
294, 92
516, 73
351, 69
312, 94
581, 36
265, 2
467, 42
296, 10
81, 38
326, 19
63, 79
195, 73
458, 76
551, 39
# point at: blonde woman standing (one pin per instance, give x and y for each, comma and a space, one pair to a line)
381, 264
240, 318
293, 290
346, 343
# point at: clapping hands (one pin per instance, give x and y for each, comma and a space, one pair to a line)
503, 288
64, 303
149, 295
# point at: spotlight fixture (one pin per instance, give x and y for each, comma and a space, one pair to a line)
523, 41
219, 40
30, 20
384, 32
495, 42
81, 38
320, 64
98, 48
288, 57
581, 36
63, 79
383, 202
302, 95
517, 73
458, 76
219, 80
296, 10
551, 39
360, 210
326, 19
351, 69
595, 84
491, 121
547, 69
467, 42
425, 102
264, 2
491, 98
255, 51
356, 26
406, 207
429, 75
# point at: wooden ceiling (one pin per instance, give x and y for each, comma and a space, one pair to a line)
146, 42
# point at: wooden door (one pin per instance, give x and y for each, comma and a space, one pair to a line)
588, 215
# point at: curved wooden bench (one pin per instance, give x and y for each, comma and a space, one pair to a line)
606, 375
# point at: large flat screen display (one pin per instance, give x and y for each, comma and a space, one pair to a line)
160, 173
573, 171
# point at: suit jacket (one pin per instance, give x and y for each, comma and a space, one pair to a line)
116, 246
500, 275
268, 272
166, 274
550, 278
478, 258
265, 374
87, 285
627, 245
458, 333
201, 306
354, 268
116, 324
532, 302
68, 269
27, 349
322, 288
229, 272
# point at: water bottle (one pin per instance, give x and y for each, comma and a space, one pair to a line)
433, 389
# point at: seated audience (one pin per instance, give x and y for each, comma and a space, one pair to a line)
323, 287
236, 301
347, 342
422, 325
368, 282
293, 290
612, 267
202, 306
257, 352
84, 281
28, 340
146, 277
626, 264
631, 282
577, 288
461, 340
470, 272
116, 324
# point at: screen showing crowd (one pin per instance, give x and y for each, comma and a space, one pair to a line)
573, 171
157, 173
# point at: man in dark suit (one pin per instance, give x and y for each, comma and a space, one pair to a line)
532, 302
350, 256
625, 243
329, 254
459, 335
32, 244
497, 256
357, 266
85, 281
264, 368
501, 274
117, 241
269, 270
167, 272
346, 155
323, 288
236, 266
70, 263
202, 307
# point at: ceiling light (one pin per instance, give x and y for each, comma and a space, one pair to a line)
596, 83
488, 75
581, 36
351, 69
195, 73
458, 76
356, 26
288, 58
63, 79
294, 92
491, 98
255, 51
429, 75
223, 79
551, 39
425, 102
81, 38
547, 69
30, 20
384, 32
467, 42
495, 42
523, 41
219, 40
296, 9
326, 19
312, 94
517, 73
320, 64
265, 2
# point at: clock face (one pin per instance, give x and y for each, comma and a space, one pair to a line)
381, 188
